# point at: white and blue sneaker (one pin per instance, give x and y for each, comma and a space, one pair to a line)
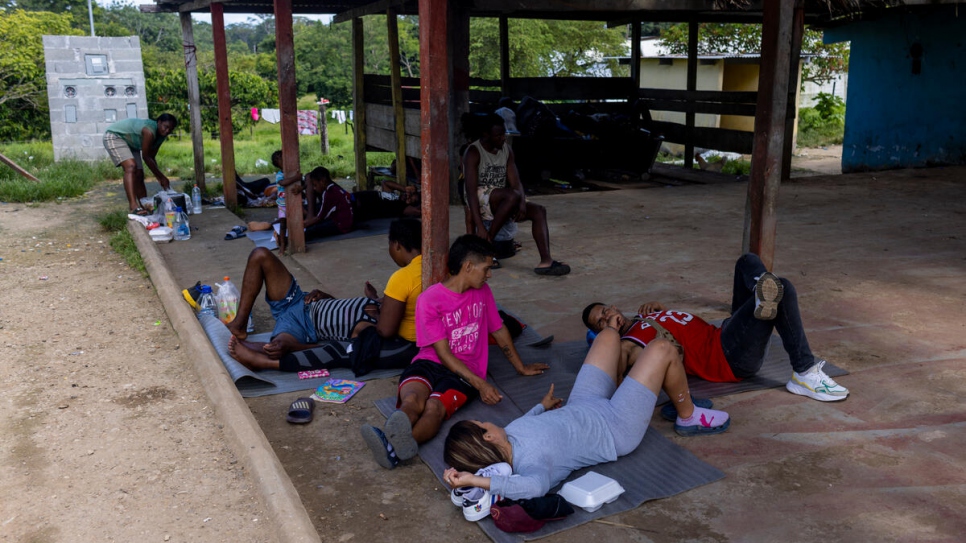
474, 510
476, 501
816, 384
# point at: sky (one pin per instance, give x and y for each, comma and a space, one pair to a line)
230, 18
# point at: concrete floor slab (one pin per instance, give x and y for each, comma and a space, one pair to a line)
878, 261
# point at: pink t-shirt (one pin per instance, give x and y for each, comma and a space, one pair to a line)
465, 320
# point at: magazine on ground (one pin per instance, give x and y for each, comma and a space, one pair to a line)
337, 390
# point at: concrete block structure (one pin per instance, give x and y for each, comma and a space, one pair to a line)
91, 83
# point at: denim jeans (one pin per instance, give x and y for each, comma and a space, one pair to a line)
744, 338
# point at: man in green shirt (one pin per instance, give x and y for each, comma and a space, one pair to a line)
131, 140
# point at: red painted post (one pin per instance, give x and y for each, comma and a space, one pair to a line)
288, 104
434, 54
225, 133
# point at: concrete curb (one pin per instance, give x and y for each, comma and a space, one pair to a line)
246, 437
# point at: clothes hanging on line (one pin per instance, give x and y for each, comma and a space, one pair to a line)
308, 122
273, 116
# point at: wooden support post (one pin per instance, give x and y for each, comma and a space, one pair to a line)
288, 104
504, 55
794, 73
358, 102
16, 167
766, 158
323, 128
194, 98
635, 61
434, 55
459, 92
692, 86
226, 134
397, 106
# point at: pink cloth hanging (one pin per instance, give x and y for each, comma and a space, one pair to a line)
254, 113
308, 122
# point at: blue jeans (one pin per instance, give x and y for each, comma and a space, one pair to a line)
292, 315
744, 338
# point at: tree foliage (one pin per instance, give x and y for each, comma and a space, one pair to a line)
824, 61
167, 93
540, 48
23, 80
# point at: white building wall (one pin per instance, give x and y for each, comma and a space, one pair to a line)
85, 101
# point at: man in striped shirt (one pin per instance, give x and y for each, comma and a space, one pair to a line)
302, 321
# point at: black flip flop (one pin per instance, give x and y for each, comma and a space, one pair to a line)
141, 212
300, 412
236, 232
555, 268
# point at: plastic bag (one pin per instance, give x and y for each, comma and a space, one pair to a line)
227, 299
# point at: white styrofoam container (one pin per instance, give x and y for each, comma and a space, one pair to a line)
591, 491
161, 233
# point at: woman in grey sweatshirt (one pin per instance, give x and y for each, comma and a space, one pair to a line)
600, 422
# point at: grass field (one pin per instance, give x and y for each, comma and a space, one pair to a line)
253, 152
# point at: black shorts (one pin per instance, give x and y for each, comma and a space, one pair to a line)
443, 384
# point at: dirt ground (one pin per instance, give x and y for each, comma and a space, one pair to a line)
105, 431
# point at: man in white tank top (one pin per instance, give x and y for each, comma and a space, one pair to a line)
494, 193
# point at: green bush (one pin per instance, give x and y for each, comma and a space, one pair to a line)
823, 124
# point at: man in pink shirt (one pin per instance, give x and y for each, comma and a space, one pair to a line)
453, 321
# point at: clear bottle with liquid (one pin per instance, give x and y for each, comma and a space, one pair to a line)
196, 200
182, 230
169, 213
206, 303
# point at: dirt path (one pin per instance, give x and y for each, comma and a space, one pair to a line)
105, 431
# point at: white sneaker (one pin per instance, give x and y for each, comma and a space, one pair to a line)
815, 384
479, 509
473, 493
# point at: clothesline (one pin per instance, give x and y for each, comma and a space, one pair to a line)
308, 119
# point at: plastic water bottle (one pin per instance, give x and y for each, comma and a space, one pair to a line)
251, 325
196, 200
227, 299
182, 230
206, 304
169, 213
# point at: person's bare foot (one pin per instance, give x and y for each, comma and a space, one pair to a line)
249, 357
238, 327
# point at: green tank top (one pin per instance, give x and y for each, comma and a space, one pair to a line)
130, 131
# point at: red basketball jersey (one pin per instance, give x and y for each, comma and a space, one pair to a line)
700, 341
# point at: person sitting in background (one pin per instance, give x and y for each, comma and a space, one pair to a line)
328, 207
393, 201
329, 210
494, 193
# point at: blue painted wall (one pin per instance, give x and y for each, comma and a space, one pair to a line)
897, 119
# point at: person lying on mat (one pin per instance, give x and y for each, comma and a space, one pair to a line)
602, 420
303, 321
453, 321
494, 193
761, 302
